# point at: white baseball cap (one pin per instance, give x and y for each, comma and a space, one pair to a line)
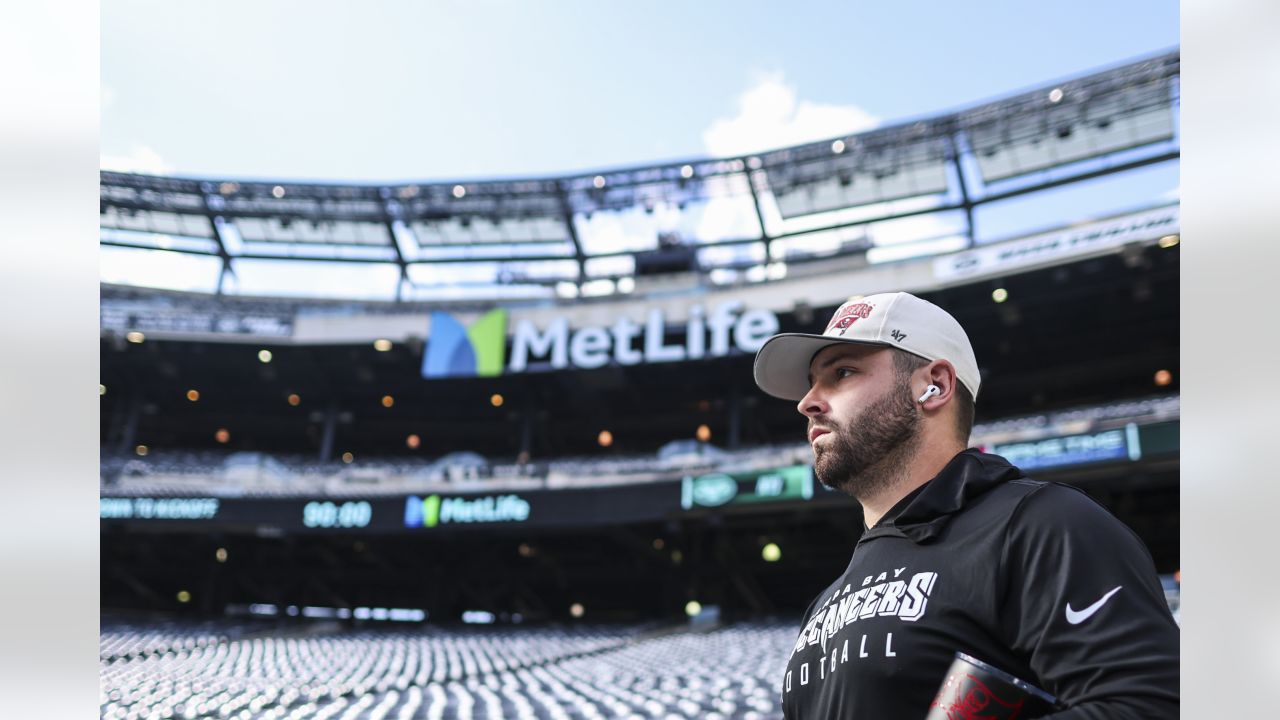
899, 320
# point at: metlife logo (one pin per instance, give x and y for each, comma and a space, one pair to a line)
456, 351
435, 510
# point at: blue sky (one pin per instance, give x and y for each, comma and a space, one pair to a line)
446, 89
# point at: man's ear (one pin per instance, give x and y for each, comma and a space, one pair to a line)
942, 375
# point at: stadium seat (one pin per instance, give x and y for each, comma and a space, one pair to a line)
243, 671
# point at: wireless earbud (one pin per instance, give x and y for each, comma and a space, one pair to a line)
929, 392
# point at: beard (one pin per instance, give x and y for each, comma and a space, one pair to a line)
864, 456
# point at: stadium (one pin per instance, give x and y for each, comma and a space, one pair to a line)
514, 464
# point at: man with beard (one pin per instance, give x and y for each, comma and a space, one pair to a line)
960, 551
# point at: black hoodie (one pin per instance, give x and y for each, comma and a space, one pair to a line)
1035, 578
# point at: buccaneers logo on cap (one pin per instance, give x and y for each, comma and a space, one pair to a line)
848, 315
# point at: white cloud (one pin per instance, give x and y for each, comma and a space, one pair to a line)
139, 159
770, 116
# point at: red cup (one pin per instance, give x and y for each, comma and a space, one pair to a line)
974, 690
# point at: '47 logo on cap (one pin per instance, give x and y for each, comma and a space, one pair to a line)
849, 314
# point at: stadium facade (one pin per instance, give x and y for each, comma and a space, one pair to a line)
521, 396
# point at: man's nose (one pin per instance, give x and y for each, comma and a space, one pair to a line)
812, 404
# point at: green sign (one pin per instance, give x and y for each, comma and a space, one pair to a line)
718, 489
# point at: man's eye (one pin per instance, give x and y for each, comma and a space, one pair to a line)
842, 373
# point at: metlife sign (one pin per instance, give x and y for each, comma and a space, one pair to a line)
436, 510
457, 351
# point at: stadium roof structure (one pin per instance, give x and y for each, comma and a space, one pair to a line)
715, 221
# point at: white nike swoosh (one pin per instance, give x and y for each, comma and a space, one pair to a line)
1075, 617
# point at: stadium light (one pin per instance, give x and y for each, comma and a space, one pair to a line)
277, 191
407, 614
459, 191
703, 433
1163, 377
999, 295
477, 617
193, 395
222, 435
1055, 95
135, 337
220, 555
597, 288
413, 441
837, 147
659, 543
577, 610
348, 458
388, 401
141, 450
692, 608
496, 400
102, 389
295, 399
605, 438
686, 171
382, 345
1168, 241
598, 181
771, 552
264, 356
184, 596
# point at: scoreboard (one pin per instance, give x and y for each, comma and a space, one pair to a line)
779, 487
